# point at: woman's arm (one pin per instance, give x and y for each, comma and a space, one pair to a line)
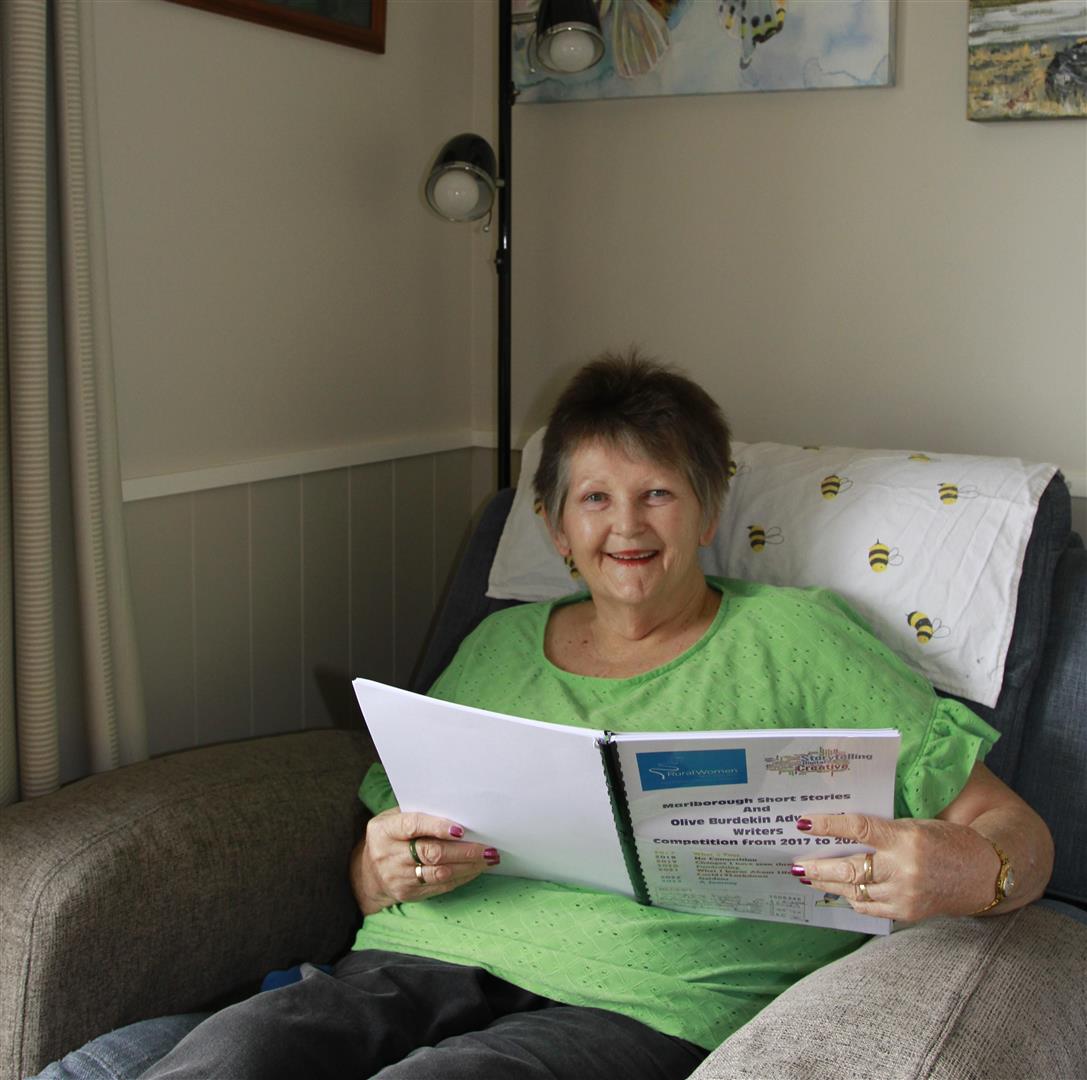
988, 806
946, 866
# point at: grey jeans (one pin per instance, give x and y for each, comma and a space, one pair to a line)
393, 1016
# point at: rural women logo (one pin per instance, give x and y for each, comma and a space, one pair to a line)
692, 768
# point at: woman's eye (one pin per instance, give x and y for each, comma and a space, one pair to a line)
659, 493
594, 497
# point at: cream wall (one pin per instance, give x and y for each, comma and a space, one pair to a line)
277, 285
293, 330
291, 335
857, 267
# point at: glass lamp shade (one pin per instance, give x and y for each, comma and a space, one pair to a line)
568, 37
462, 181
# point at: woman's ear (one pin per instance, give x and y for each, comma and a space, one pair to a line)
558, 537
709, 532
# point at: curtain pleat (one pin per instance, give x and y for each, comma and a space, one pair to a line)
27, 358
9, 765
113, 691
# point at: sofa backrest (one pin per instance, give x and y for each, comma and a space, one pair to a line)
1051, 773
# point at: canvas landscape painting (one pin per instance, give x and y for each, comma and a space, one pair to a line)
1028, 61
657, 47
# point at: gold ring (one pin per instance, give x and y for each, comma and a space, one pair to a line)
862, 888
868, 868
419, 873
414, 854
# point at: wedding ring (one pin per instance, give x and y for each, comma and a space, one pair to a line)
414, 855
419, 873
868, 868
862, 888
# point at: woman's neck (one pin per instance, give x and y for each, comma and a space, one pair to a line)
617, 626
620, 641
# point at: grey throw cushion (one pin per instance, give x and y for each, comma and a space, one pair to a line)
987, 998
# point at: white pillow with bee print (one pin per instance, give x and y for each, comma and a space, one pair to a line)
927, 547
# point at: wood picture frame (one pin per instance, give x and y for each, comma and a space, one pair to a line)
306, 17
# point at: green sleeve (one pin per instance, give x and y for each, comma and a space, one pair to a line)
375, 791
955, 741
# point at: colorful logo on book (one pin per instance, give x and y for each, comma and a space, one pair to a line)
691, 768
823, 759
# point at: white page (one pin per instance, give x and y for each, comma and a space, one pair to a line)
714, 816
535, 791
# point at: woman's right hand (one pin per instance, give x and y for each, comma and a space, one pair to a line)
384, 873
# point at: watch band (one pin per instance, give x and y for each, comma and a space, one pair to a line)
1002, 884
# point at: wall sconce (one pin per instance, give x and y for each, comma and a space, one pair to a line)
463, 179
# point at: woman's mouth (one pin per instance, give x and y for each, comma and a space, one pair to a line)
632, 557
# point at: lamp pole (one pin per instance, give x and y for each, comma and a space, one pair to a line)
506, 94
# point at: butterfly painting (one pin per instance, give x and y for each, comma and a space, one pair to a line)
657, 47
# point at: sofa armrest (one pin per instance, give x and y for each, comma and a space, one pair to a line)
162, 886
947, 999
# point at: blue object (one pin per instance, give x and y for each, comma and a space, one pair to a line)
275, 979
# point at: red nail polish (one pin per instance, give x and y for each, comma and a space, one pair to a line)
803, 824
456, 830
490, 853
797, 871
805, 881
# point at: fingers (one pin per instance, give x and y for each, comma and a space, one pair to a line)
854, 877
853, 828
408, 826
412, 838
848, 870
411, 856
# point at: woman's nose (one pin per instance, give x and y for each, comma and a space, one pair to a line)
629, 519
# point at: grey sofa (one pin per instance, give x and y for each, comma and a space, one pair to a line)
175, 885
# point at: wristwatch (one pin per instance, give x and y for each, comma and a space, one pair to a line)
1005, 882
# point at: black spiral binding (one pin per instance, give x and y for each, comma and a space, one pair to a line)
620, 809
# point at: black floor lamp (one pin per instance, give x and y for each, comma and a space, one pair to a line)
466, 174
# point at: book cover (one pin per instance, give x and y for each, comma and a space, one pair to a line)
700, 821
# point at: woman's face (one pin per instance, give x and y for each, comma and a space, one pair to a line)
632, 527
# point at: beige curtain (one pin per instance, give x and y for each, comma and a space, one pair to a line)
33, 609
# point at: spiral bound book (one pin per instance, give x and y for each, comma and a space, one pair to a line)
701, 821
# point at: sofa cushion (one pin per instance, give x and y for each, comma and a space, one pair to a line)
948, 999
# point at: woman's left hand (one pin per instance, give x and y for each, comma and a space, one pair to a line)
917, 868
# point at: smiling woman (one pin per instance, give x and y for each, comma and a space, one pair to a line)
461, 971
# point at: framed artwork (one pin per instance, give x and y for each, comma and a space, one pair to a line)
1027, 61
358, 23
657, 47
